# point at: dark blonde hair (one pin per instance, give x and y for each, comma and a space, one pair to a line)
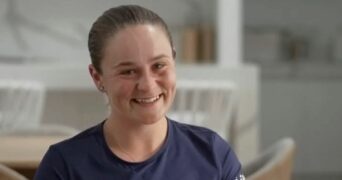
115, 19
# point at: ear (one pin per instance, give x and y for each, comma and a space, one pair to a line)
96, 76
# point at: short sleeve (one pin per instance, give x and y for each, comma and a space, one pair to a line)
230, 166
52, 166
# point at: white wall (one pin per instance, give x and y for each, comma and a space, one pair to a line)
58, 30
316, 19
303, 100
309, 111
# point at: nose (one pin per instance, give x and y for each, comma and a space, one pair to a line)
147, 82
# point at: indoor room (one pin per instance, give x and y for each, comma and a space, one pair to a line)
263, 76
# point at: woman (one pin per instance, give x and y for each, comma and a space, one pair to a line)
133, 65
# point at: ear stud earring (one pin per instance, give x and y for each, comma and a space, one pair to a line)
101, 88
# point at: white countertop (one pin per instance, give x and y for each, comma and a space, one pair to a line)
53, 76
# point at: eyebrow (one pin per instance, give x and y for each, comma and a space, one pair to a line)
129, 63
159, 57
126, 63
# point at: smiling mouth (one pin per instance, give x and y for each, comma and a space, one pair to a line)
147, 100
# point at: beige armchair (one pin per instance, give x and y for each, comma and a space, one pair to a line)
275, 163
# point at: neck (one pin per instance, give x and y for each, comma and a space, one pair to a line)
135, 143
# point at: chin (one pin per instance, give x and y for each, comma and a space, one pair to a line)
148, 120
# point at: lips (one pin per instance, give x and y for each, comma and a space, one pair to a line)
147, 100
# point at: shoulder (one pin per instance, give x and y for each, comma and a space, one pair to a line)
78, 143
68, 153
195, 133
191, 129
200, 137
208, 143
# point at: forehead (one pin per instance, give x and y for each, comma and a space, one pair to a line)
137, 40
138, 33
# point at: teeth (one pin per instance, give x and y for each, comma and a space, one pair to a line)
147, 100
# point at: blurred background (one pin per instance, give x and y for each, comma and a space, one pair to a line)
290, 50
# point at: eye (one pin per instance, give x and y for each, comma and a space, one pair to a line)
128, 72
159, 65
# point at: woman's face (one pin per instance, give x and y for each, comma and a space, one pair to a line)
138, 74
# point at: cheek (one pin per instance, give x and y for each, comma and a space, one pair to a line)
121, 88
170, 80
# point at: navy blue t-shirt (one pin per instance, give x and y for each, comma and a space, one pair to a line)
188, 153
